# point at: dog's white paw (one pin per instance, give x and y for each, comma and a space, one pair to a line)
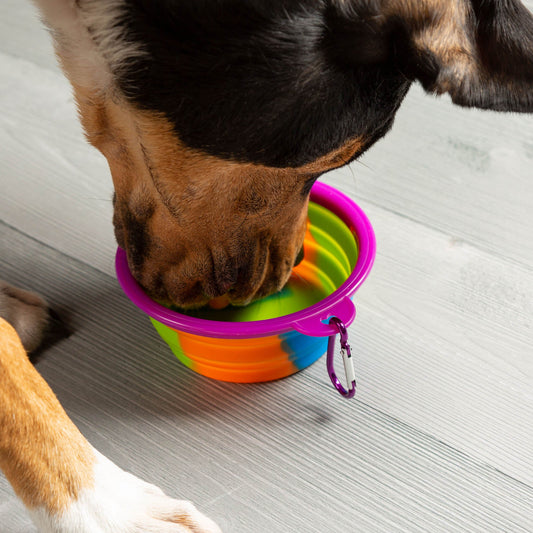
27, 312
119, 502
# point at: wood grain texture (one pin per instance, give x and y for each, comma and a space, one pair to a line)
440, 437
466, 173
284, 456
43, 151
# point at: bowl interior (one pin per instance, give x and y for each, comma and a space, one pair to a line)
330, 255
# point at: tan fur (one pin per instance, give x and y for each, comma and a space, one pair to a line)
184, 217
42, 453
442, 28
193, 225
197, 209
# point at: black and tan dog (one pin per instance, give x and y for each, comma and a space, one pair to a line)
216, 117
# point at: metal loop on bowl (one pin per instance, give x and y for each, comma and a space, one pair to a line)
346, 354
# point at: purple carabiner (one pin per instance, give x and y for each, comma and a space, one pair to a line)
346, 353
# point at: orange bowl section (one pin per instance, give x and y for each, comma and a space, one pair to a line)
236, 360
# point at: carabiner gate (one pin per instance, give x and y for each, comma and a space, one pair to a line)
346, 354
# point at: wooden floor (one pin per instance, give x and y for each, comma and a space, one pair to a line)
440, 435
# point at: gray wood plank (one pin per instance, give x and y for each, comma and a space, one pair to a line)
284, 456
54, 185
444, 337
22, 34
52, 195
466, 173
443, 421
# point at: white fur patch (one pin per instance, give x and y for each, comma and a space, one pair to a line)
104, 20
89, 39
121, 503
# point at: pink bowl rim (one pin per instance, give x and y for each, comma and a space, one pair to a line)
315, 315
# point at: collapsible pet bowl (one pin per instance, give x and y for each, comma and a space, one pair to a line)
286, 332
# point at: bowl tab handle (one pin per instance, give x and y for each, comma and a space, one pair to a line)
319, 324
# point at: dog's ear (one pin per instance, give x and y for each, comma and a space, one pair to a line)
478, 51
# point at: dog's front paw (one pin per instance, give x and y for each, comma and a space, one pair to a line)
37, 325
119, 502
27, 312
151, 510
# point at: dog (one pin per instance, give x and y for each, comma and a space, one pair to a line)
216, 118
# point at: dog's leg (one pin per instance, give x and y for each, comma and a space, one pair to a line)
66, 484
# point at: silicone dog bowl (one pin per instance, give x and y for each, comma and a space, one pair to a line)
286, 332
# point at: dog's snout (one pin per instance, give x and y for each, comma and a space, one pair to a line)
195, 276
205, 254
223, 275
197, 279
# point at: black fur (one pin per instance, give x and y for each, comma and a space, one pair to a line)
505, 42
257, 81
283, 82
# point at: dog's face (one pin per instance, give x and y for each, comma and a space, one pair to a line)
217, 117
197, 226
